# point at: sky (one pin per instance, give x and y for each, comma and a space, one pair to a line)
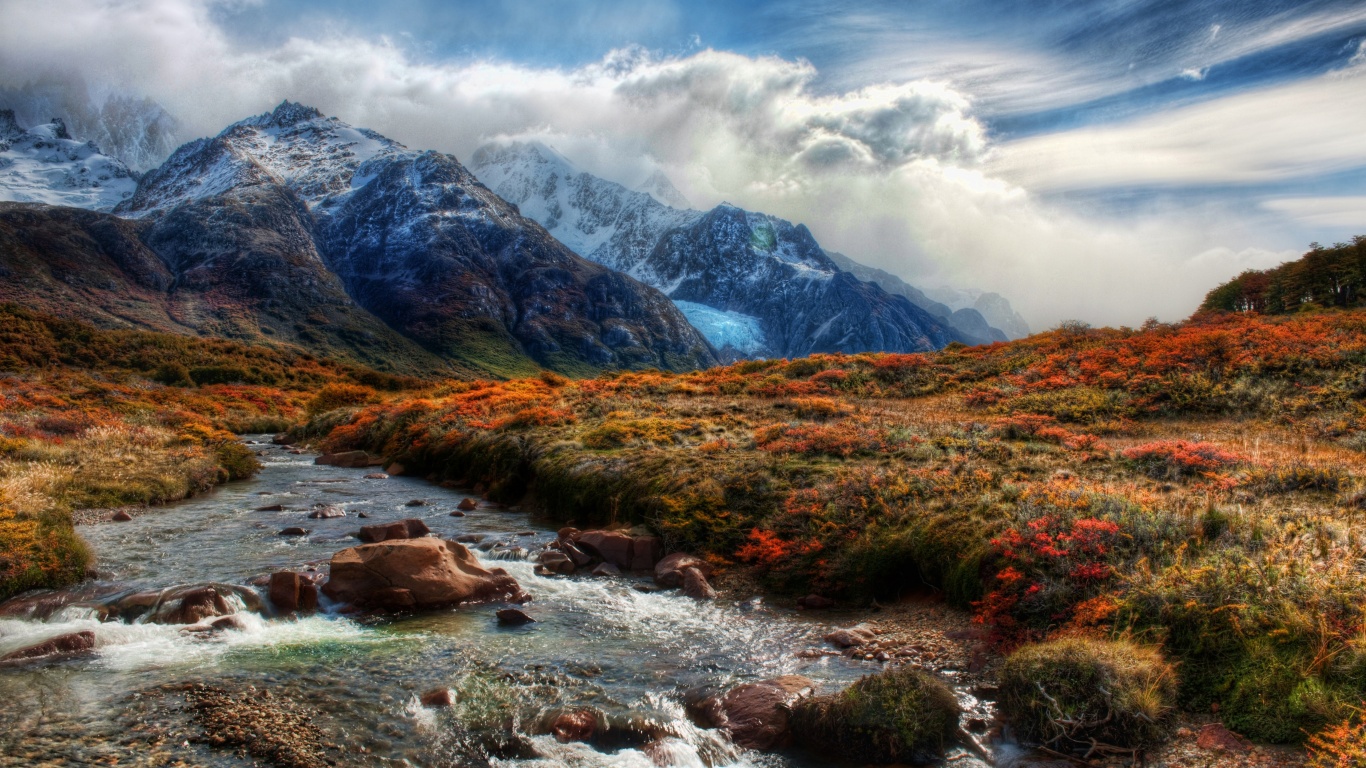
1101, 160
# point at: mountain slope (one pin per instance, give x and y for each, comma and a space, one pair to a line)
45, 165
416, 240
179, 274
756, 285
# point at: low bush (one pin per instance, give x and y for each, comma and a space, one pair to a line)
1178, 459
1342, 745
901, 715
1072, 694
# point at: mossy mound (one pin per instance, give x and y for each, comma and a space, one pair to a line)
1076, 692
898, 716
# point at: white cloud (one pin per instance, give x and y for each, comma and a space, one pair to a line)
897, 174
1268, 135
1344, 211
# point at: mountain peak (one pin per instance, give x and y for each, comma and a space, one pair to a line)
9, 126
291, 113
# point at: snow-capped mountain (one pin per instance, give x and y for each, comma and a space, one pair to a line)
137, 131
416, 240
992, 306
755, 285
44, 164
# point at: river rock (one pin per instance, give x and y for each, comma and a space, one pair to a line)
609, 546
121, 516
580, 558
695, 585
294, 530
457, 513
756, 714
270, 508
394, 469
606, 569
437, 697
467, 505
556, 562
433, 572
470, 538
815, 602
411, 528
577, 724
645, 552
192, 605
351, 459
63, 644
669, 571
514, 617
326, 512
291, 593
851, 636
416, 503
376, 476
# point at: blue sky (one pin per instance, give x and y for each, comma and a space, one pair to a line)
1101, 159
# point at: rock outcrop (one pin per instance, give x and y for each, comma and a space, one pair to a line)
756, 715
75, 642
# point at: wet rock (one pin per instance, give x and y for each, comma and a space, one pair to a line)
271, 508
433, 572
326, 512
291, 593
567, 533
609, 546
606, 569
1216, 738
645, 552
695, 585
513, 617
580, 558
411, 528
362, 515
75, 642
376, 476
556, 562
416, 503
851, 637
815, 602
394, 469
437, 697
224, 623
467, 505
470, 538
121, 516
294, 530
191, 606
351, 459
577, 724
457, 513
669, 571
756, 714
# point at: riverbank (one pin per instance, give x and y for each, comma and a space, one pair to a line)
1191, 487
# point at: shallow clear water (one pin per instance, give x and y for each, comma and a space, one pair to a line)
597, 642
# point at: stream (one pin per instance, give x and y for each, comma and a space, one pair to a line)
597, 642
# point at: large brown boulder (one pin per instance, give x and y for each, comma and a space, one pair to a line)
64, 644
756, 714
191, 605
411, 528
415, 573
627, 552
291, 593
670, 571
696, 586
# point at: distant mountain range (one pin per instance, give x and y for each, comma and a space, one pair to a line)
295, 227
754, 284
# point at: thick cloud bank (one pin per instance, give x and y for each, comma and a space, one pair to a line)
900, 175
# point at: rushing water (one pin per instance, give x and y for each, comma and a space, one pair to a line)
597, 642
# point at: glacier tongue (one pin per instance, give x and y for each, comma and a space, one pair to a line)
45, 165
724, 329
